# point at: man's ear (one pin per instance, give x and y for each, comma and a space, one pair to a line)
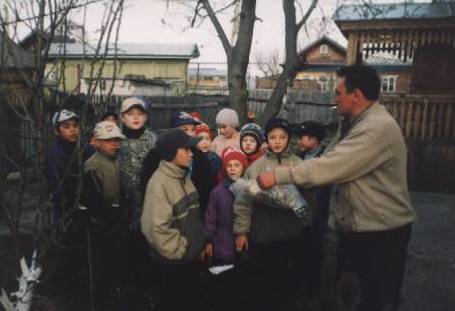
56, 131
358, 94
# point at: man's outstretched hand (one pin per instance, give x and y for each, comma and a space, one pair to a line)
266, 180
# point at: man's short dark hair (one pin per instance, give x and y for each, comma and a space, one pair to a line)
361, 77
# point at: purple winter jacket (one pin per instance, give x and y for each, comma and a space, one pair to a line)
219, 222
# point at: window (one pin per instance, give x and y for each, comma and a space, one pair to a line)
324, 49
323, 84
389, 84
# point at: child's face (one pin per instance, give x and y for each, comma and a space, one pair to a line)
134, 118
204, 144
69, 130
278, 140
307, 142
249, 145
108, 146
189, 129
226, 131
183, 157
234, 169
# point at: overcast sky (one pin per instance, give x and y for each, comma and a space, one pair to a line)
161, 21
154, 21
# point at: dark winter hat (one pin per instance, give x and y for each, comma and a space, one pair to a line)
274, 123
168, 143
312, 128
253, 130
182, 118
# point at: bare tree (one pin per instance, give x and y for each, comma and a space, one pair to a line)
238, 54
268, 63
292, 63
28, 100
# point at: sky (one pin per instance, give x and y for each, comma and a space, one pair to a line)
154, 21
161, 21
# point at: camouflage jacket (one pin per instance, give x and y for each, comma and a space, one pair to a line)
132, 154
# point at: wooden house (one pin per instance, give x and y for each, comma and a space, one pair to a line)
423, 34
125, 63
207, 81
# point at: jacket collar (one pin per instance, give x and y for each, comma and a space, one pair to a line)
284, 155
172, 170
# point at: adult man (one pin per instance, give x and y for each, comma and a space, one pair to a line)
370, 203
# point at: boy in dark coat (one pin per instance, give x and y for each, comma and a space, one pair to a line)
101, 196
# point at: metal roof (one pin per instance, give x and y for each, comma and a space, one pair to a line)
395, 11
207, 72
126, 50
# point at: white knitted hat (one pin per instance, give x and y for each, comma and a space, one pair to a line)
228, 117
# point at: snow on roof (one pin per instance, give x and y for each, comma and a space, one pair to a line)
126, 50
206, 72
394, 11
387, 59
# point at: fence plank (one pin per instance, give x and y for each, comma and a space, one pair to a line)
424, 123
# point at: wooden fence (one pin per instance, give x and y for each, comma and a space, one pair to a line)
161, 108
423, 117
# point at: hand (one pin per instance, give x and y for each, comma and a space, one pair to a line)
207, 253
241, 242
266, 180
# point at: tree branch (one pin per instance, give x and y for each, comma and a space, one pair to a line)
219, 29
307, 14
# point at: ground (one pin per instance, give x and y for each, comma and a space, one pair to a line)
429, 283
430, 274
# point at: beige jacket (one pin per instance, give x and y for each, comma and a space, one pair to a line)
171, 217
220, 143
368, 167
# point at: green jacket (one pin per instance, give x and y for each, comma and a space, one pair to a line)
131, 156
171, 216
368, 168
265, 224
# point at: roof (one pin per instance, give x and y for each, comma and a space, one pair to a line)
392, 11
207, 72
321, 40
126, 50
12, 56
386, 59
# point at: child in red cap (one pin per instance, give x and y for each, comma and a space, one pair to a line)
218, 231
219, 216
203, 130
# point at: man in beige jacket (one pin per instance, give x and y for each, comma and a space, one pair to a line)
366, 164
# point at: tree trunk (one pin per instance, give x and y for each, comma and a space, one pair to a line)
289, 71
292, 63
239, 58
238, 93
238, 55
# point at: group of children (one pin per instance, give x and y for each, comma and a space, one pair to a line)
165, 202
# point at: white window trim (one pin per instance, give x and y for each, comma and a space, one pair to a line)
324, 49
386, 85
